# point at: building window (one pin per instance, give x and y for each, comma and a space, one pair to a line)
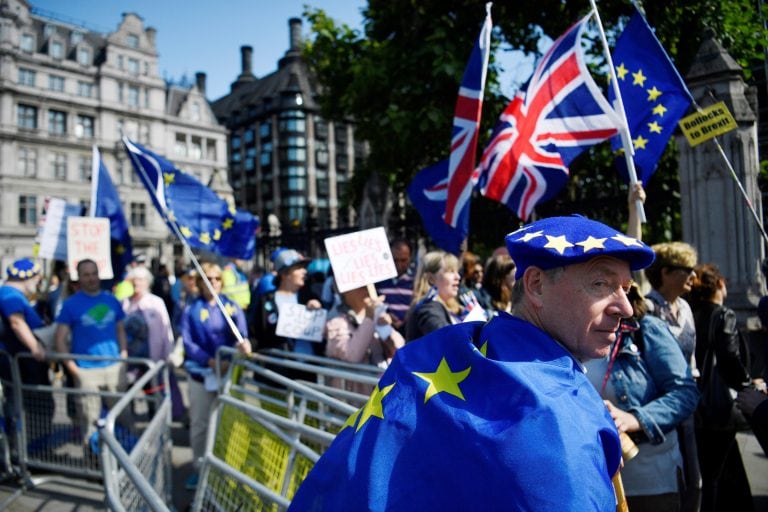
59, 166
180, 147
342, 162
28, 162
84, 167
56, 83
27, 77
57, 122
84, 128
292, 121
28, 210
266, 155
48, 30
235, 143
57, 50
265, 130
133, 66
196, 148
119, 62
340, 135
85, 89
133, 96
321, 129
321, 154
248, 137
120, 92
146, 98
26, 116
75, 37
144, 133
139, 215
210, 150
27, 43
84, 56
132, 40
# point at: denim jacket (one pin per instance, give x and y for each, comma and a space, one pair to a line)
655, 383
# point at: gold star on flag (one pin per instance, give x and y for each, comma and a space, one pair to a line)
168, 178
621, 71
373, 405
654, 127
626, 240
351, 420
120, 249
653, 93
205, 238
230, 309
559, 243
443, 380
638, 78
659, 110
592, 243
185, 231
484, 349
640, 142
204, 315
216, 234
529, 236
227, 224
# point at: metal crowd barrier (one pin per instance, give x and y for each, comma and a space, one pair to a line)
42, 429
269, 427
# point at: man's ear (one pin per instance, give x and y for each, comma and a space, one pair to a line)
533, 284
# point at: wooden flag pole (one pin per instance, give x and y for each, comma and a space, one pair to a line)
626, 137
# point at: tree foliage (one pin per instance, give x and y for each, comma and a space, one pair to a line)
399, 78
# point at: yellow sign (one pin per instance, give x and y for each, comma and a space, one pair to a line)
710, 122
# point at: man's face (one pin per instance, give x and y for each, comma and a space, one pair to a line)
402, 257
88, 276
583, 305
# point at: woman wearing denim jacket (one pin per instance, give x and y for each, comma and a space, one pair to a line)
648, 388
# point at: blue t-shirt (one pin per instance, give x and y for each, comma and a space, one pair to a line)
13, 301
93, 322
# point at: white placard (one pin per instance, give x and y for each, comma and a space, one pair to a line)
297, 322
88, 238
53, 235
360, 258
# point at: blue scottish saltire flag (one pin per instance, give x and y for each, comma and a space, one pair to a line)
654, 95
474, 416
466, 123
428, 192
193, 210
547, 124
105, 202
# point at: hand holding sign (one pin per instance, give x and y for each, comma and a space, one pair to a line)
360, 258
298, 322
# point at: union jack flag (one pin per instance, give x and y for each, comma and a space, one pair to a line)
545, 126
466, 122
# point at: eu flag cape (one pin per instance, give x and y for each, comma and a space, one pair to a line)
473, 416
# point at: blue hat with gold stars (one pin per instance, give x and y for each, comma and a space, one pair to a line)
560, 241
22, 269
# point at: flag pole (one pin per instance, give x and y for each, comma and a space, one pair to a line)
626, 138
187, 249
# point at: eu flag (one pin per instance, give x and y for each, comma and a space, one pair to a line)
191, 209
654, 95
473, 416
428, 192
105, 202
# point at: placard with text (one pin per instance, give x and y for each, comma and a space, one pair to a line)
360, 258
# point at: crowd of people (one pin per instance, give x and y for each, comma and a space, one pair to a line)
668, 376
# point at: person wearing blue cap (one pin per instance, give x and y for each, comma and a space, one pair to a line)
498, 415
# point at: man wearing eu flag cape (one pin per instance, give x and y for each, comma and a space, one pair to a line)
497, 416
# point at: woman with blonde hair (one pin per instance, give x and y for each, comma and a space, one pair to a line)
435, 292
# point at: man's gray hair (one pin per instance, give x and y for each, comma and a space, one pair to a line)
518, 292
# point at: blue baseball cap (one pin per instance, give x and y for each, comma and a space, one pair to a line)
22, 269
560, 241
289, 258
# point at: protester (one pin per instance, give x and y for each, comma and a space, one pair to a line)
186, 295
204, 329
92, 320
235, 283
545, 443
472, 276
723, 359
648, 388
498, 280
161, 285
291, 268
398, 291
435, 295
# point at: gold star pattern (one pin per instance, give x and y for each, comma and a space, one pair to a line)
484, 349
659, 110
372, 407
230, 309
216, 234
653, 93
530, 236
204, 315
443, 380
227, 224
168, 178
120, 249
638, 78
626, 240
592, 243
640, 142
559, 243
205, 238
351, 420
185, 231
654, 127
621, 71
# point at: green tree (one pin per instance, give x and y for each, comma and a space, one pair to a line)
399, 80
